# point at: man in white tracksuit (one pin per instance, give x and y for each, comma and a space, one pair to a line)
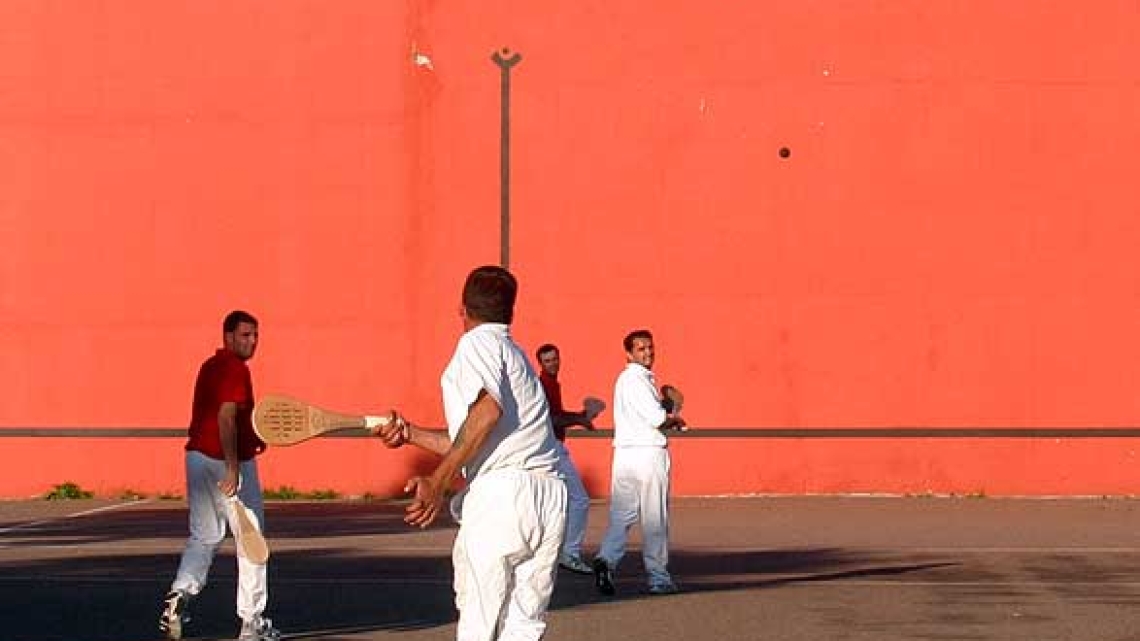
512, 513
640, 473
578, 499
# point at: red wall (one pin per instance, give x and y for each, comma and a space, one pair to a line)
949, 244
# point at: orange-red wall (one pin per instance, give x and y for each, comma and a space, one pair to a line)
951, 242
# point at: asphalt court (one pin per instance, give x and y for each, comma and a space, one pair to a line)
781, 568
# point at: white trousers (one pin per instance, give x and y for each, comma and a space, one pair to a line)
640, 491
577, 504
208, 519
506, 554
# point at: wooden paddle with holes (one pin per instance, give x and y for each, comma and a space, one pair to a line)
282, 420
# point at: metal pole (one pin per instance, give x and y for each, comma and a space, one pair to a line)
505, 60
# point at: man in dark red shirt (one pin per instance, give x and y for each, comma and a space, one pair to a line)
578, 500
220, 463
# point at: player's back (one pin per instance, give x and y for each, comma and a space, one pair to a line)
523, 438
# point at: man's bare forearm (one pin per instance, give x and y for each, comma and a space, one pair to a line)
434, 441
569, 419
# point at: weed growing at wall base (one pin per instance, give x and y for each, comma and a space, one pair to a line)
67, 490
290, 493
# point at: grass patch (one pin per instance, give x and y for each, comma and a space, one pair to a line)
323, 495
67, 491
283, 493
290, 493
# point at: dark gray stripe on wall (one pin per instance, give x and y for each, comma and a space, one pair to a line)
819, 432
94, 432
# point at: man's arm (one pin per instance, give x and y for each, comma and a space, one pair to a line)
227, 434
434, 441
570, 419
648, 403
429, 491
559, 416
673, 422
399, 432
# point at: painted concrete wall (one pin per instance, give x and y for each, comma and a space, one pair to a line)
949, 244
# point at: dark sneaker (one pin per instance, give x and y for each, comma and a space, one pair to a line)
664, 588
575, 564
603, 578
173, 614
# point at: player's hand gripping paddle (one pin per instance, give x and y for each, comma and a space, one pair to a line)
672, 399
250, 543
282, 420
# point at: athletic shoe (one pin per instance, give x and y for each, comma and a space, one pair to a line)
603, 578
575, 564
664, 588
173, 614
258, 629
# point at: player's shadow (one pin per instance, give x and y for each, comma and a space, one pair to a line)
341, 568
337, 568
318, 593
711, 571
329, 592
167, 519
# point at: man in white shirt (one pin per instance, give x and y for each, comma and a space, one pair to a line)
640, 475
512, 512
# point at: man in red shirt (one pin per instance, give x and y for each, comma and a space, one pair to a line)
220, 462
578, 500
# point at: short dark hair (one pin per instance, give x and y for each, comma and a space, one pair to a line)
634, 335
544, 348
489, 294
235, 318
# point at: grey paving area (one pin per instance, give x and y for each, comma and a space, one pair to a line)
788, 569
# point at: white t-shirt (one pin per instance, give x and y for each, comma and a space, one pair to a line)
637, 409
487, 358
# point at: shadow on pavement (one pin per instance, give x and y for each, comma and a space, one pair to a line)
359, 575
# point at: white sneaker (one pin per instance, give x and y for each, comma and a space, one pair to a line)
258, 629
575, 564
173, 614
